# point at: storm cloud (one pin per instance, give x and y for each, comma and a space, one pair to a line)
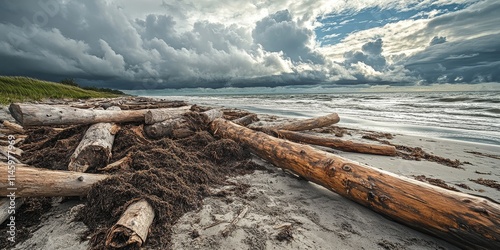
175, 44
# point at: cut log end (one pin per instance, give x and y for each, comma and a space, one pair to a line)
90, 158
133, 226
16, 112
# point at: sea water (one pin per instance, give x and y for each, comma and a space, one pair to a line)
465, 116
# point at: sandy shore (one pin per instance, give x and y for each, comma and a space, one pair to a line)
279, 211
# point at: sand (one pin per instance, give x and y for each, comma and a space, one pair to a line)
280, 211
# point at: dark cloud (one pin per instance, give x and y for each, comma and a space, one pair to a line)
473, 60
278, 32
437, 40
370, 54
99, 43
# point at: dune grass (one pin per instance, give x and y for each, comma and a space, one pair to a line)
19, 89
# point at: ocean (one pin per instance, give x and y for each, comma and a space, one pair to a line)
463, 116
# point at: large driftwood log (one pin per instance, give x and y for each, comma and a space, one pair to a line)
343, 145
36, 182
307, 124
178, 127
153, 116
40, 114
133, 226
462, 219
94, 150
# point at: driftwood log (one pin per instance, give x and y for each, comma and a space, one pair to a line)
178, 127
132, 228
153, 116
8, 207
468, 221
13, 127
94, 150
41, 114
37, 182
306, 124
246, 120
343, 145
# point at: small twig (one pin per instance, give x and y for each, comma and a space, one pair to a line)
229, 228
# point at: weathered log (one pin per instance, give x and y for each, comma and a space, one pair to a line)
246, 120
94, 150
40, 114
466, 220
343, 145
307, 124
178, 127
13, 127
36, 182
158, 115
132, 228
8, 207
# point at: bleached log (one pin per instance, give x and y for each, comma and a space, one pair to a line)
132, 228
94, 150
178, 127
40, 114
37, 182
466, 220
153, 116
307, 124
246, 120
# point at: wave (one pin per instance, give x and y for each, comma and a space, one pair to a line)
487, 100
494, 111
454, 99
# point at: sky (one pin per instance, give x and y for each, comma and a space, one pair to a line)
153, 44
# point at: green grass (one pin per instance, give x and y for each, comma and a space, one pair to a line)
19, 89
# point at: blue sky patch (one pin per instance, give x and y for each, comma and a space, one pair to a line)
337, 26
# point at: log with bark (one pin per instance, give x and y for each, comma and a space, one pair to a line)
343, 145
158, 115
178, 127
94, 150
37, 182
466, 220
132, 228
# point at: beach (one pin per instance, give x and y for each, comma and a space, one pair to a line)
274, 209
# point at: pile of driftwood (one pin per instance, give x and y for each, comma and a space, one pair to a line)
465, 220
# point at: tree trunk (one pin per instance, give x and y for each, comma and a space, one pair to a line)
246, 120
307, 124
343, 145
36, 182
178, 127
158, 115
94, 150
133, 226
462, 219
39, 114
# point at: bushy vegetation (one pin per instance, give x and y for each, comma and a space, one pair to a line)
72, 82
16, 88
